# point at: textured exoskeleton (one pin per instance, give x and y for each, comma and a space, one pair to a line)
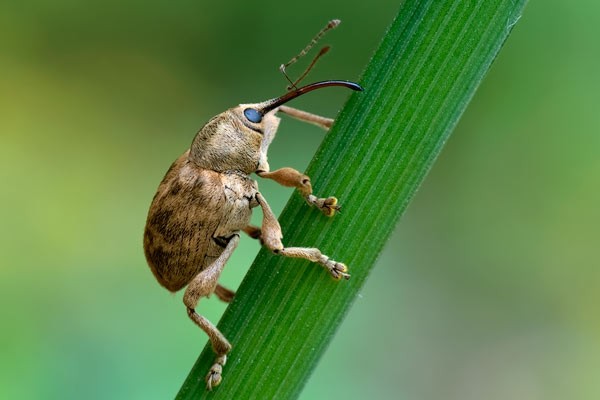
206, 199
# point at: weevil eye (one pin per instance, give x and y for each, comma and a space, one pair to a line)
253, 115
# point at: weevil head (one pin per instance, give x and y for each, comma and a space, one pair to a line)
231, 142
239, 138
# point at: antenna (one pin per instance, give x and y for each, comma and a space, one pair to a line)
330, 25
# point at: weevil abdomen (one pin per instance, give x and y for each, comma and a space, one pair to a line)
193, 215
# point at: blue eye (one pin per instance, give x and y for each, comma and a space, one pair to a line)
253, 115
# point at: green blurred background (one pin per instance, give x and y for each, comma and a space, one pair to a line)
489, 288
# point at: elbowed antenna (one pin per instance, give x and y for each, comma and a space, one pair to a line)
272, 104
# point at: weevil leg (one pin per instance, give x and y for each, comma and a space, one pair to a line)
252, 231
321, 122
291, 178
203, 285
336, 269
224, 294
271, 238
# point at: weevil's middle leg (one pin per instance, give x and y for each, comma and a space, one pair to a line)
203, 285
271, 237
224, 294
290, 177
337, 270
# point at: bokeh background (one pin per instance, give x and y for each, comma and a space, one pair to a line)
489, 288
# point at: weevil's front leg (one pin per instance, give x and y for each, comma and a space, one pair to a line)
271, 237
321, 122
292, 178
252, 231
203, 285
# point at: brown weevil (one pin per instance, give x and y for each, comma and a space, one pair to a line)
207, 196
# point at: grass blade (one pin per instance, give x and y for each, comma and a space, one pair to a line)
417, 85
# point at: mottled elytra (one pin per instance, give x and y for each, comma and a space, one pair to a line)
206, 199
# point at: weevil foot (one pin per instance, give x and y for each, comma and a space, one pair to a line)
337, 270
327, 206
213, 378
330, 206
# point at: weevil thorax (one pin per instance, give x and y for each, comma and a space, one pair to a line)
231, 141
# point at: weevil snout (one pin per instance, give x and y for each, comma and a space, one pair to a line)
256, 112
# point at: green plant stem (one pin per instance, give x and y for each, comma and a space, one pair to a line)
384, 141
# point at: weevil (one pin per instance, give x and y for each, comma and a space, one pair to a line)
206, 199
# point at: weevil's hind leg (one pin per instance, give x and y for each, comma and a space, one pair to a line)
271, 237
224, 294
321, 122
220, 346
203, 285
290, 177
